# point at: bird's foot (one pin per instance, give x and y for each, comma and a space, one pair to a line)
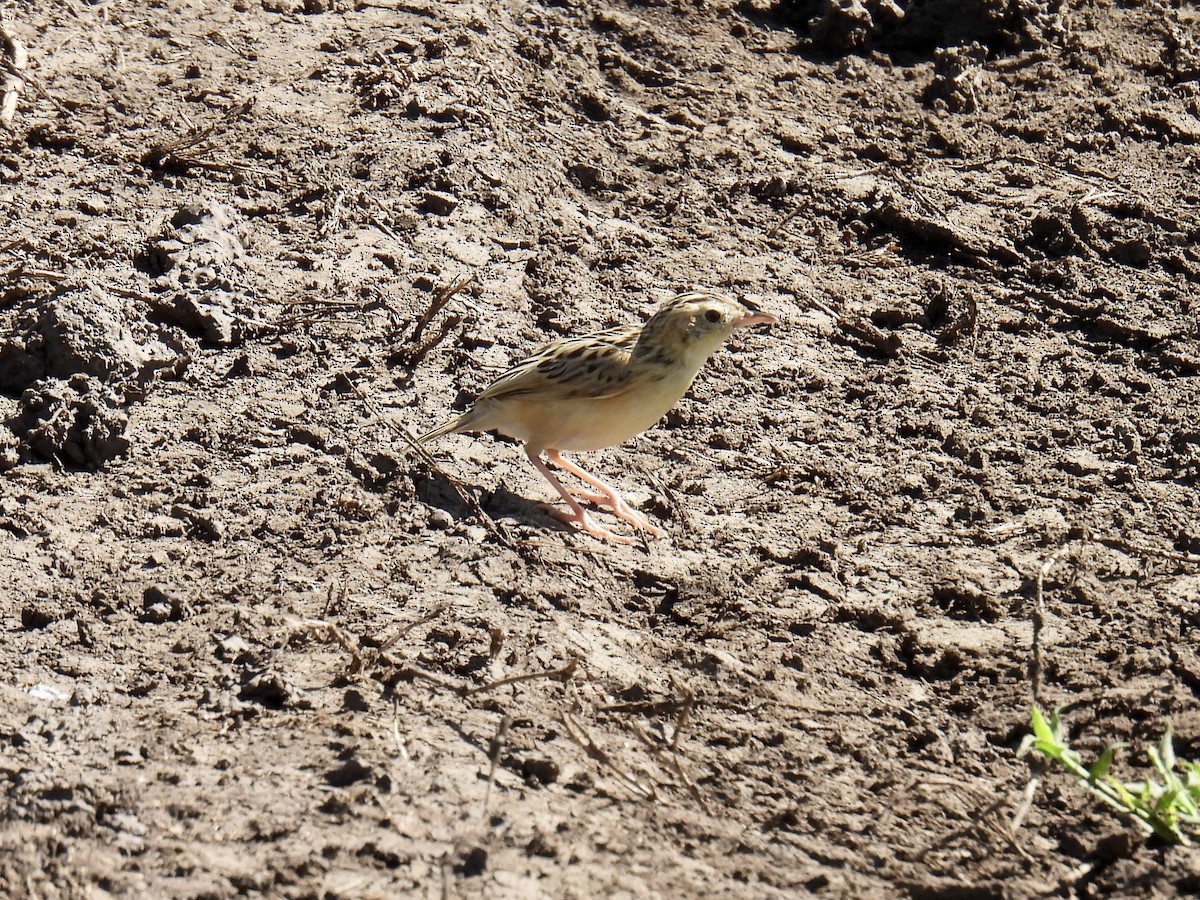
621, 509
587, 524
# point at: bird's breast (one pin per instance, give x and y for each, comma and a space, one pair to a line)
585, 424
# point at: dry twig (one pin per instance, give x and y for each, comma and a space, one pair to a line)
409, 357
1128, 546
646, 707
782, 223
441, 297
667, 753
425, 619
1026, 804
685, 713
401, 746
335, 595
495, 746
578, 732
555, 674
174, 154
414, 673
1038, 618
12, 80
979, 821
671, 760
330, 632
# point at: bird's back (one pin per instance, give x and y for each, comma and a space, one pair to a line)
593, 366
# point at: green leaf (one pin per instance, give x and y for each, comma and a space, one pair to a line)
1100, 767
1156, 808
1166, 747
1166, 803
1041, 729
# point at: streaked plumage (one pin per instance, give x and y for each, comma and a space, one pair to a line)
595, 391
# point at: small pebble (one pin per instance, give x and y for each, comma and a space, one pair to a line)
439, 203
94, 206
440, 519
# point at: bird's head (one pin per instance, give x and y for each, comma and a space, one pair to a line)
692, 326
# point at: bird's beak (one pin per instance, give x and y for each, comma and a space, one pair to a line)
755, 318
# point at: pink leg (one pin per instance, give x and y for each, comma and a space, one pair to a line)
608, 494
578, 515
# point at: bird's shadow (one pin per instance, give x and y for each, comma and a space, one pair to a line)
435, 489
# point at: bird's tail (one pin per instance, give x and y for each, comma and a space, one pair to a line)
453, 425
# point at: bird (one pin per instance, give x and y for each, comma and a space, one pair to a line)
599, 390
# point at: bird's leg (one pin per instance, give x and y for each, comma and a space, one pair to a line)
608, 494
578, 514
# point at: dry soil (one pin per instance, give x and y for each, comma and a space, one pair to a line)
253, 645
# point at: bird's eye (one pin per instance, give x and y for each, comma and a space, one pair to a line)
712, 316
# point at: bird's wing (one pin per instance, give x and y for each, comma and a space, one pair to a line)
589, 368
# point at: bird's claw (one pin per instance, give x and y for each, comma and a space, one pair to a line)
622, 510
586, 523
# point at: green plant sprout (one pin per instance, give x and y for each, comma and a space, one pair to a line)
1167, 806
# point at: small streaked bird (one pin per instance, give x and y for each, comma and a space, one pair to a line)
587, 393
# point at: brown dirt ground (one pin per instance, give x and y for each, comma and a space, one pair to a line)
251, 642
